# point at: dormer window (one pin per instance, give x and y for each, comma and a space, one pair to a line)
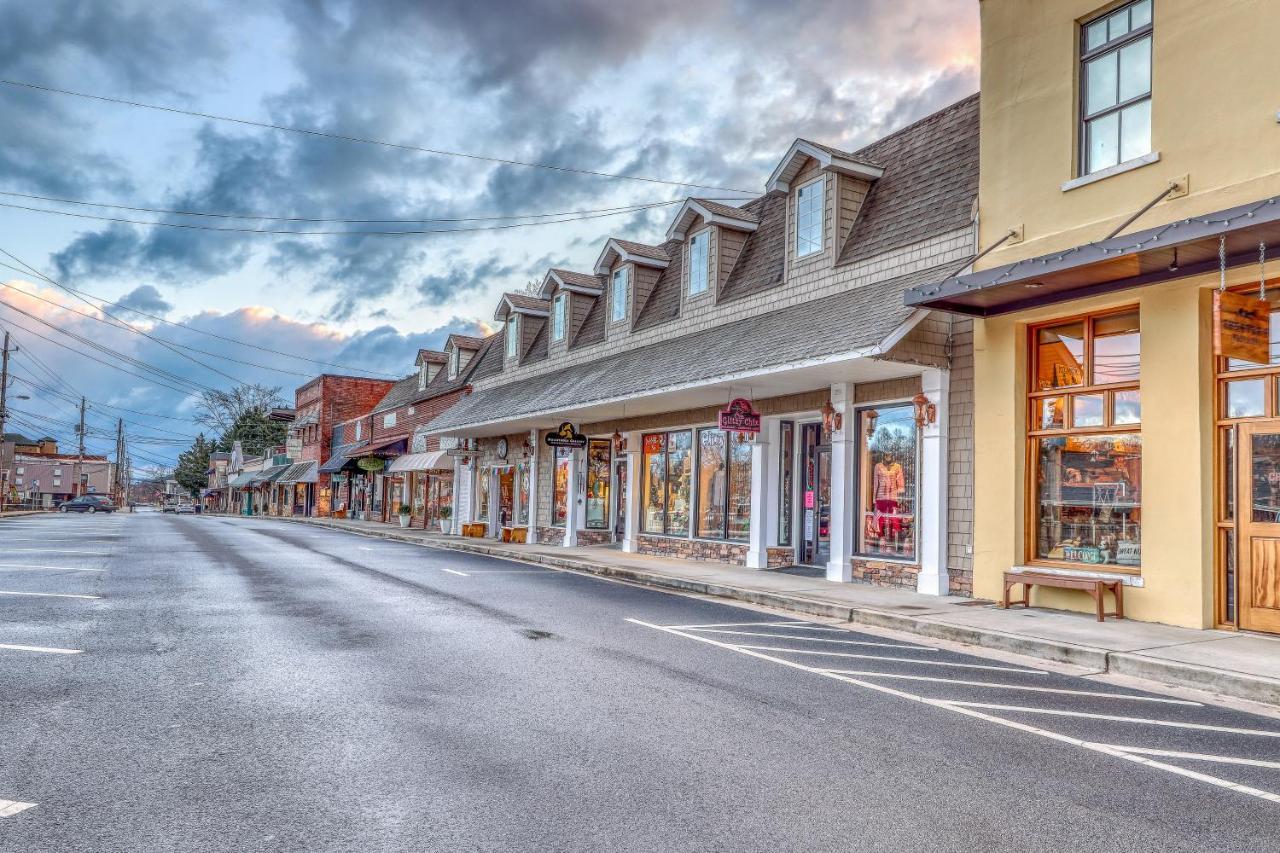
618, 295
422, 377
809, 202
513, 336
454, 362
558, 317
700, 263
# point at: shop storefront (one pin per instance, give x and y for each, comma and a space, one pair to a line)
425, 481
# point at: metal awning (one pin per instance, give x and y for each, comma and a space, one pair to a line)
387, 447
1176, 250
299, 472
239, 481
341, 455
261, 478
434, 460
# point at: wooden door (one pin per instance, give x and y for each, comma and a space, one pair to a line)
1259, 527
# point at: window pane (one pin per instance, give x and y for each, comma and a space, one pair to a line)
1060, 356
619, 300
1118, 24
679, 475
1247, 398
1095, 35
786, 482
809, 201
713, 483
1135, 131
1116, 348
1052, 413
1229, 474
1086, 410
511, 338
1135, 69
522, 479
739, 511
560, 488
1264, 478
1128, 408
1104, 142
1088, 499
599, 455
699, 263
482, 495
887, 469
1100, 83
1139, 14
655, 483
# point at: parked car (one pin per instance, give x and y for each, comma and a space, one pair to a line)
87, 503
185, 508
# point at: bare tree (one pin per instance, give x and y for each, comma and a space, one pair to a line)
219, 410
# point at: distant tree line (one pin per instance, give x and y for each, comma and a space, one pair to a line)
242, 414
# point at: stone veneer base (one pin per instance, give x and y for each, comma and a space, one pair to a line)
885, 573
555, 536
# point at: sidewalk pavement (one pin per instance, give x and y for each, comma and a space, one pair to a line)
1234, 664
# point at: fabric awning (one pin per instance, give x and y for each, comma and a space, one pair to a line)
239, 481
299, 472
433, 460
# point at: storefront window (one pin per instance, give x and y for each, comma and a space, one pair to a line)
1087, 481
786, 482
560, 488
522, 478
483, 476
441, 492
887, 468
668, 462
599, 454
724, 484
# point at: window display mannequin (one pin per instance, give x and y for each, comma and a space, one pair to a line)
888, 484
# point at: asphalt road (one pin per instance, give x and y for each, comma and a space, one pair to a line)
250, 685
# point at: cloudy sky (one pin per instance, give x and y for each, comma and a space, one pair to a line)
707, 93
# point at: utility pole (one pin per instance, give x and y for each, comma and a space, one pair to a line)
4, 415
80, 451
117, 486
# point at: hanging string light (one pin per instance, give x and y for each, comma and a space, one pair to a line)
1222, 264
1262, 271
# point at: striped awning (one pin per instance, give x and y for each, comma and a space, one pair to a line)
430, 461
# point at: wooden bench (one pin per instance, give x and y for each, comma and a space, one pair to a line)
1097, 587
475, 530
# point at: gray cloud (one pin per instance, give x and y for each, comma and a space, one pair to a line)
145, 298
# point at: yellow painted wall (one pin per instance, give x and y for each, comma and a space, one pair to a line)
1215, 65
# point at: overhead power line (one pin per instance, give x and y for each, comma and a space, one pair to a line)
366, 140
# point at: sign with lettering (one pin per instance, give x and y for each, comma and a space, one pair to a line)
739, 416
1241, 327
566, 436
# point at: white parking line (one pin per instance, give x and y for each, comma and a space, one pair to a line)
48, 594
456, 572
814, 639
9, 808
796, 625
978, 715
1115, 718
1198, 756
998, 686
7, 567
886, 657
47, 551
48, 649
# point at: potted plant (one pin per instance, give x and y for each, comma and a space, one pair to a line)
446, 525
404, 515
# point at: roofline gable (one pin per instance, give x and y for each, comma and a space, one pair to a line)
801, 148
506, 308
612, 247
679, 230
552, 282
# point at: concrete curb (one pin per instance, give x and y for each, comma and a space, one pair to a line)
1174, 673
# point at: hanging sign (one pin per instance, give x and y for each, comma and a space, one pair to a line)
1241, 327
654, 443
566, 436
371, 463
739, 416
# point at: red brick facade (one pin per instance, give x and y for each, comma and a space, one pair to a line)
334, 399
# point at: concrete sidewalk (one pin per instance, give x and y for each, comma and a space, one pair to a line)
1239, 665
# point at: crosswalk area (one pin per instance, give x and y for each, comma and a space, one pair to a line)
1207, 743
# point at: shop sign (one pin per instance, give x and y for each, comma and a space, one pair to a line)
371, 463
463, 452
653, 443
566, 436
739, 416
1241, 327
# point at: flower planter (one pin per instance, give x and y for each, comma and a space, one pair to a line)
404, 519
446, 526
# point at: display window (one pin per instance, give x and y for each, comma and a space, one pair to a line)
599, 456
888, 469
667, 476
522, 507
786, 481
483, 476
1086, 445
724, 485
560, 488
440, 494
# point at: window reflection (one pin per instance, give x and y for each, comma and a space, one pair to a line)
1088, 497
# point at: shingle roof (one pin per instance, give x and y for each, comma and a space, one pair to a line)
860, 156
466, 341
663, 302
524, 300
591, 330
725, 210
431, 356
581, 279
930, 181
762, 261
847, 322
643, 250
406, 392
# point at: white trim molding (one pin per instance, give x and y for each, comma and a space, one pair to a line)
802, 149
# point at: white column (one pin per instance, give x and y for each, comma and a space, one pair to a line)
533, 485
635, 505
843, 503
931, 525
573, 495
495, 523
459, 471
773, 457
761, 492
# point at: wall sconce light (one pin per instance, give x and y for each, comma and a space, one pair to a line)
619, 442
832, 420
926, 412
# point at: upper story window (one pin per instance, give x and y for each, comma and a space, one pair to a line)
388, 420
454, 362
513, 335
422, 377
809, 218
618, 298
557, 317
700, 263
358, 425
335, 437
1115, 87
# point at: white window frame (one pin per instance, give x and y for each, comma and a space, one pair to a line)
513, 336
821, 183
388, 420
454, 361
558, 317
705, 268
618, 301
422, 376
359, 424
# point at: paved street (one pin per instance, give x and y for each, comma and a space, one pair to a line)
200, 683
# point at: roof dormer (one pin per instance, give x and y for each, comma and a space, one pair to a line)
698, 211
429, 363
828, 159
460, 350
711, 236
632, 270
574, 282
522, 315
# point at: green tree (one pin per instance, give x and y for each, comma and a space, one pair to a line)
193, 466
255, 431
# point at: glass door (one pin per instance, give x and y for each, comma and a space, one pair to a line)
815, 505
620, 500
1258, 528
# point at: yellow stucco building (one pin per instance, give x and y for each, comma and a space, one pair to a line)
1130, 168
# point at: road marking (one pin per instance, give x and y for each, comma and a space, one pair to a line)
456, 572
796, 625
7, 567
999, 686
49, 649
365, 548
1115, 718
9, 808
888, 658
48, 594
47, 551
978, 715
816, 639
1198, 756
